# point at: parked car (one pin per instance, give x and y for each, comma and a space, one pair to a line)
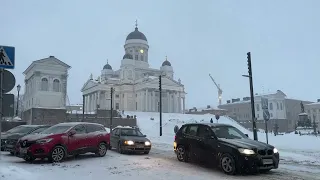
63, 140
10, 138
225, 146
129, 139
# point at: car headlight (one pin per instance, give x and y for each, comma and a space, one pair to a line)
275, 150
246, 151
43, 141
129, 142
147, 143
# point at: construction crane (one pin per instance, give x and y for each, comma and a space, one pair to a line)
219, 89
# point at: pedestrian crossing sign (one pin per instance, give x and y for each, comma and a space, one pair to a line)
7, 57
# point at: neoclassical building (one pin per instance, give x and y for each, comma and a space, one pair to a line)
46, 84
136, 84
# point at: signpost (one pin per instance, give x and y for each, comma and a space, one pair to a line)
7, 61
266, 114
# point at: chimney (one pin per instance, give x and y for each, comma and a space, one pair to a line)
51, 56
318, 100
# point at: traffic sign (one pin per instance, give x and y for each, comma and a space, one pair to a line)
265, 109
9, 81
266, 115
7, 57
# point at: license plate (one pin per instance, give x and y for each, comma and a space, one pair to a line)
140, 146
23, 150
267, 161
9, 146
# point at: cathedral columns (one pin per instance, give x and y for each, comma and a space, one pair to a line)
179, 102
146, 101
184, 105
168, 102
153, 101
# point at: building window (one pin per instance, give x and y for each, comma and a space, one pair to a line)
141, 57
277, 106
136, 57
56, 85
136, 95
117, 95
257, 115
271, 115
136, 105
117, 106
258, 107
123, 95
44, 84
281, 107
271, 106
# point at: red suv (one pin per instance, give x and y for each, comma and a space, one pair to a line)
65, 139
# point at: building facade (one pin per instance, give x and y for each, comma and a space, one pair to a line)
283, 111
45, 84
136, 84
313, 111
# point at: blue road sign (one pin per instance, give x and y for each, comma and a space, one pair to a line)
7, 57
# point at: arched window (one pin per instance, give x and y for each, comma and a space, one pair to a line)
56, 85
44, 84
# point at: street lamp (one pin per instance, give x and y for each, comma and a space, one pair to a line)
18, 89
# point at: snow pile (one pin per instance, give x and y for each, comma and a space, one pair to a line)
15, 173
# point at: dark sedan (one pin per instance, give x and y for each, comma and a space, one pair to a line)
10, 138
129, 139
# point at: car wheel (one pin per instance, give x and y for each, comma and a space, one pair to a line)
57, 154
110, 147
227, 164
146, 152
102, 150
12, 153
182, 154
29, 158
120, 148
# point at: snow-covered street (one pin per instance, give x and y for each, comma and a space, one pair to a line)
158, 164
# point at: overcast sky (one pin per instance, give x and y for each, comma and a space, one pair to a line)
199, 37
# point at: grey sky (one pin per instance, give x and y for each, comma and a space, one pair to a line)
199, 37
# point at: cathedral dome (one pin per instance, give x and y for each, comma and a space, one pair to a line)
166, 63
136, 34
127, 56
107, 66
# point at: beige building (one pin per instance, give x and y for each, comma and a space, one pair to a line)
283, 111
313, 110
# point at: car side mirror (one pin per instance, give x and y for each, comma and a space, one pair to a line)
72, 132
246, 135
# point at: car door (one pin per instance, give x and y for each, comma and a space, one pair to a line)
191, 137
207, 145
114, 138
79, 139
92, 135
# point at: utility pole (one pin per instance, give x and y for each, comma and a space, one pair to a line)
254, 126
1, 104
111, 108
160, 104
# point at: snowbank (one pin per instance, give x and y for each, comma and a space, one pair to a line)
15, 173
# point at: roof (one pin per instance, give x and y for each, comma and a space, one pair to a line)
35, 126
43, 60
210, 124
107, 66
77, 123
136, 34
166, 63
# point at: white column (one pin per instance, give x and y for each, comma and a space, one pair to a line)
174, 103
99, 101
168, 101
179, 102
153, 101
146, 101
184, 104
85, 104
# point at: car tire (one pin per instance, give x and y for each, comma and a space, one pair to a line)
146, 152
182, 154
110, 147
57, 154
12, 153
227, 164
102, 149
29, 158
120, 148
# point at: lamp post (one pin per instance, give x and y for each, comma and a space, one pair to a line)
18, 89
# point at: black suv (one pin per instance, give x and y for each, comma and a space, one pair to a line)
129, 139
226, 146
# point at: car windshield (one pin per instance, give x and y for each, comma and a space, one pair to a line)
228, 132
56, 129
21, 129
131, 132
39, 130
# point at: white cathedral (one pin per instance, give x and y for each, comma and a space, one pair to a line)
136, 85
